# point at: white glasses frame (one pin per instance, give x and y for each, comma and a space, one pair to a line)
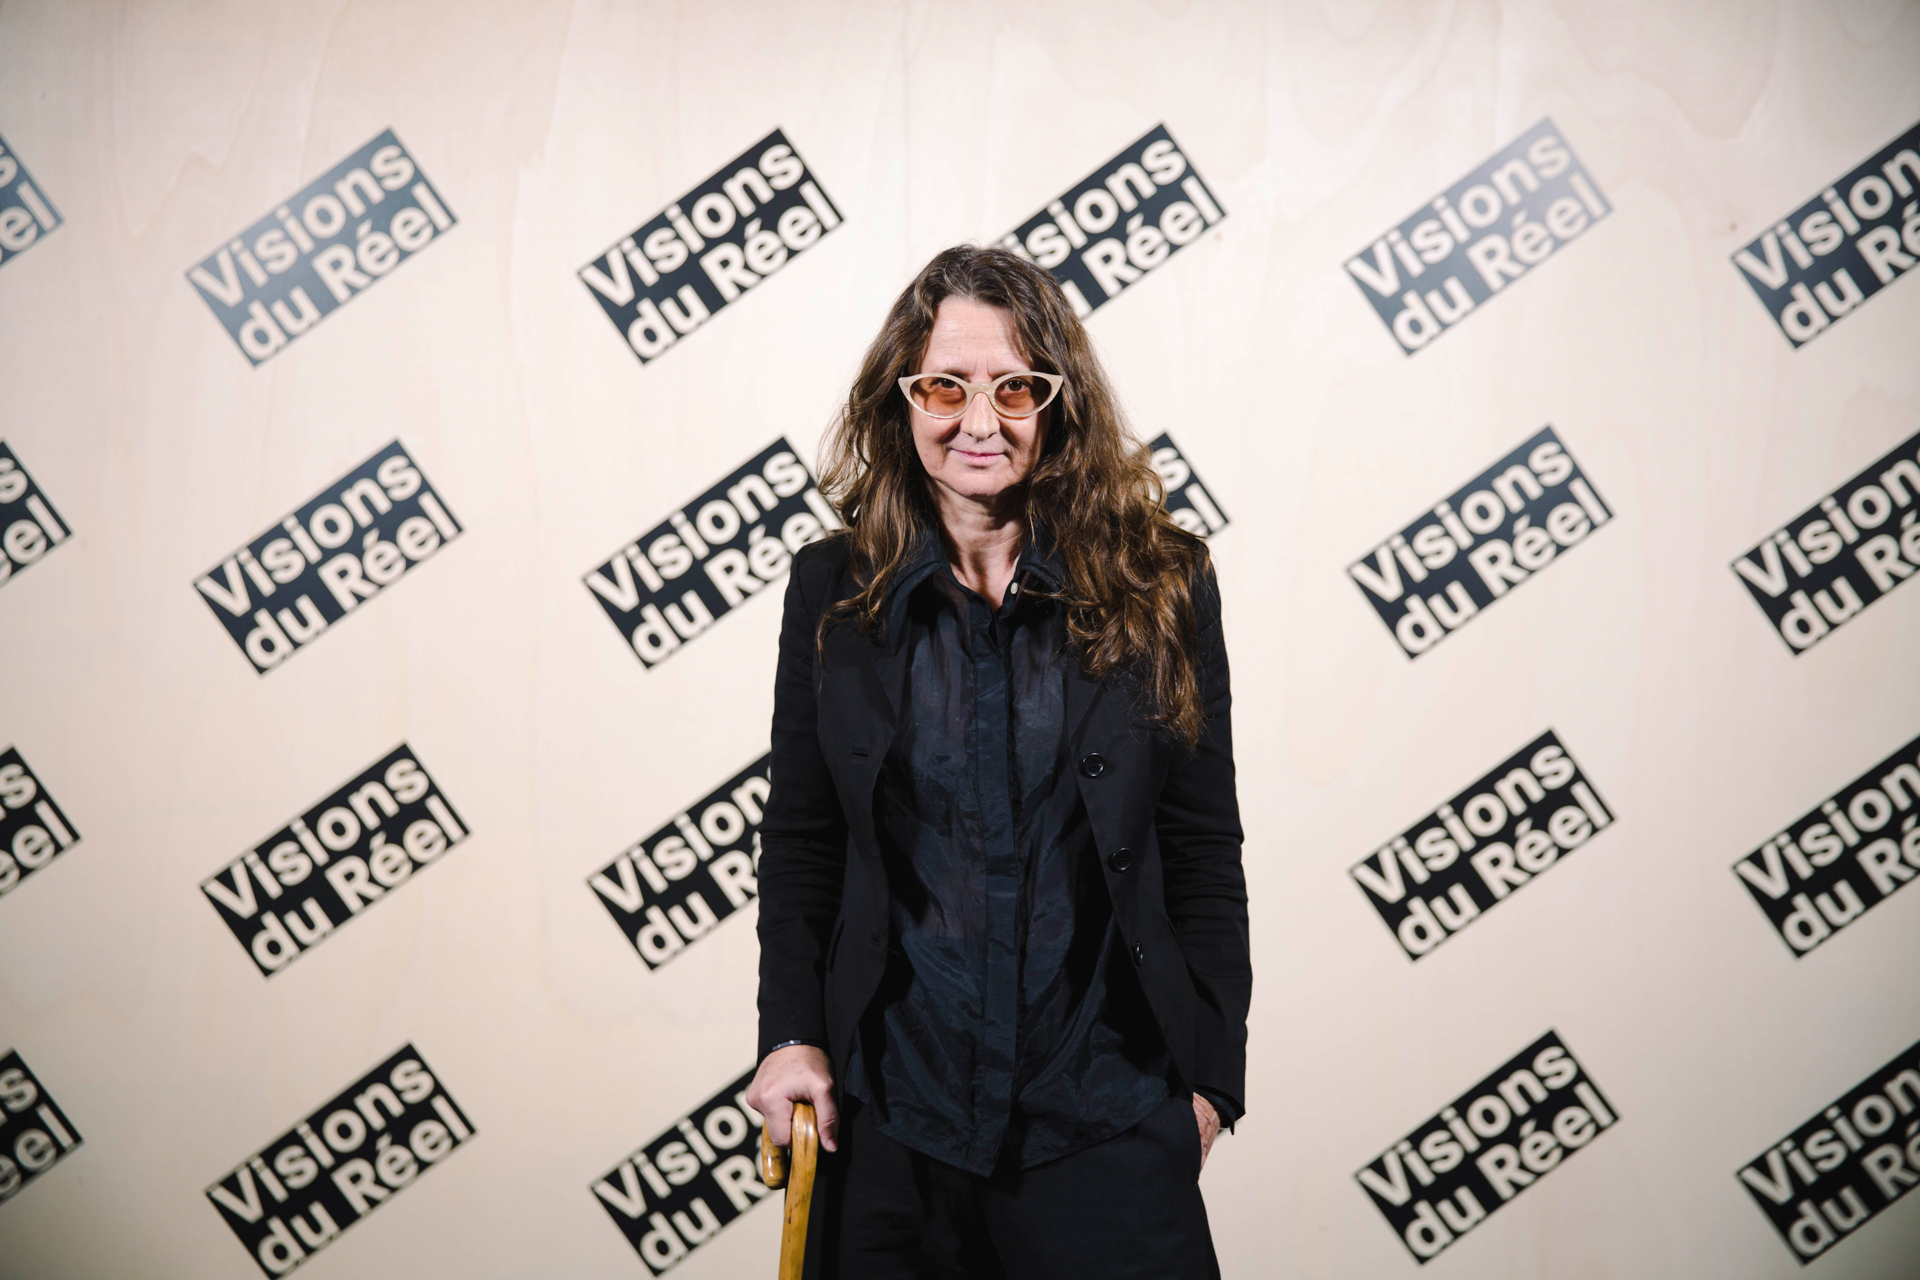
1055, 383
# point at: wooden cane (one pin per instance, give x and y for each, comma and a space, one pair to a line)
805, 1148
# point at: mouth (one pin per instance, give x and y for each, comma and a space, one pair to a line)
971, 456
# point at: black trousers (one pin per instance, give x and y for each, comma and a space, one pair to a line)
1126, 1207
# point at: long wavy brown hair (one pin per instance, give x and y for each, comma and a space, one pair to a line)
1130, 569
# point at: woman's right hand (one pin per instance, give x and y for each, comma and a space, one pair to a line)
797, 1073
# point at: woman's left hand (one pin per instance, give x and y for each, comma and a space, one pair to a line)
1209, 1121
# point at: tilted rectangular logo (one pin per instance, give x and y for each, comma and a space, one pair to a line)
1190, 504
295, 1196
317, 566
1800, 575
35, 1134
285, 895
678, 1191
1869, 238
321, 249
30, 527
33, 829
1487, 1146
25, 214
1438, 876
1842, 858
1846, 1164
1120, 222
709, 247
673, 887
742, 534
1486, 538
1483, 233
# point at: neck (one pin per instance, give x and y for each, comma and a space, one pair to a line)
983, 539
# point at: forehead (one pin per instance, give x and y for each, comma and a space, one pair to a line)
973, 337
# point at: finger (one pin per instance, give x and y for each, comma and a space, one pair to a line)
779, 1118
827, 1117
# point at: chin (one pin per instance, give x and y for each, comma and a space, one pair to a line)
980, 482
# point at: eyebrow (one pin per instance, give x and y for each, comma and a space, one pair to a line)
951, 372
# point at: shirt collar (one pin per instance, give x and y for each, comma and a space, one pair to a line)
1039, 565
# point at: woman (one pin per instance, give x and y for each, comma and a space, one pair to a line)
1002, 918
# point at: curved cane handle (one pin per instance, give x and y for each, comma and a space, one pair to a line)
774, 1168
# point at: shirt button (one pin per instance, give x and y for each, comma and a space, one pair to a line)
1139, 955
1093, 764
1121, 859
1013, 588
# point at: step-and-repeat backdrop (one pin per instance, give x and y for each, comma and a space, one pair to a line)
411, 413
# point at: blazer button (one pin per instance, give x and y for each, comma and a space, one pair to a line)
1139, 955
1093, 764
1121, 859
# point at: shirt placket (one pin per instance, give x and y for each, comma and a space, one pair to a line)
993, 1074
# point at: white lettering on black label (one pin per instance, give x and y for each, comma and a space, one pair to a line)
711, 246
29, 526
330, 242
1189, 501
1487, 1146
1842, 858
1482, 234
678, 1191
34, 830
1846, 244
733, 541
1465, 858
288, 893
1120, 222
672, 888
26, 214
294, 1196
1816, 573
35, 1133
1499, 529
1850, 1162
362, 534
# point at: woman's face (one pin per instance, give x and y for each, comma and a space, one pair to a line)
979, 455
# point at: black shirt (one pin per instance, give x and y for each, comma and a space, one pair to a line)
1009, 1025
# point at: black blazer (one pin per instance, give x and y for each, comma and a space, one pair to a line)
1164, 817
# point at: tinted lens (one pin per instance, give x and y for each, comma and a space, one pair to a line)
1020, 394
941, 397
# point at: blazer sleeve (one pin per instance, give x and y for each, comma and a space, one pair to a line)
1198, 823
803, 840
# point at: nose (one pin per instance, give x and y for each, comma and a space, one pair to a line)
980, 421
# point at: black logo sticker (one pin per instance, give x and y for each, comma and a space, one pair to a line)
1120, 222
285, 895
1438, 876
742, 534
321, 249
29, 527
673, 887
1846, 1164
1842, 858
1798, 574
325, 564
35, 1133
1486, 538
295, 1196
25, 214
1486, 1147
33, 829
1192, 507
713, 244
1870, 237
678, 1191
1486, 231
